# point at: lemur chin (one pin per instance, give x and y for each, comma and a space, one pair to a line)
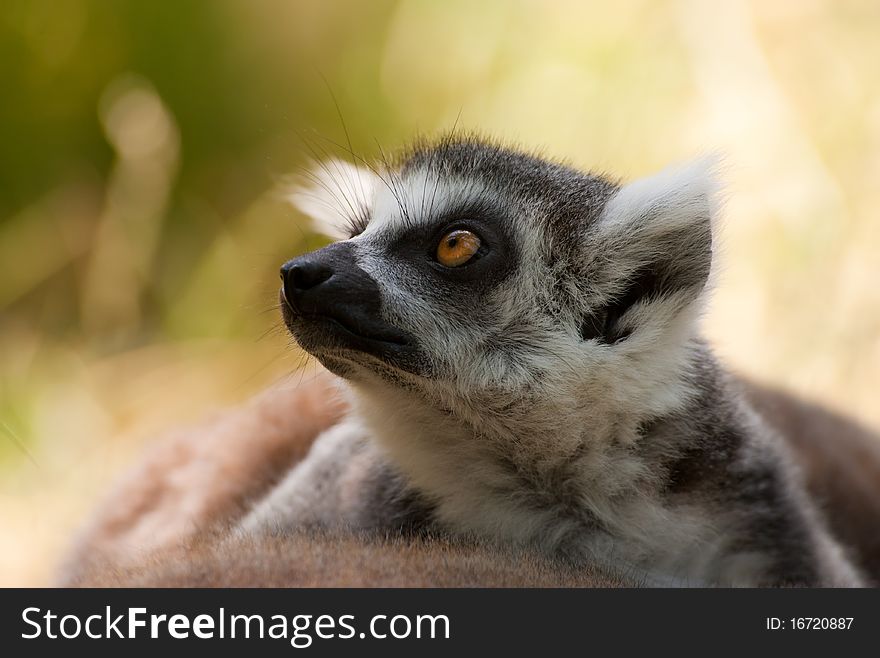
520, 343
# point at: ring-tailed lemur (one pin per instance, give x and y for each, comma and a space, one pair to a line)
520, 341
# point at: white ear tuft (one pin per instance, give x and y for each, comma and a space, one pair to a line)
653, 242
336, 195
672, 199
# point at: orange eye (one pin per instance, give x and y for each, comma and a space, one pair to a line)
457, 247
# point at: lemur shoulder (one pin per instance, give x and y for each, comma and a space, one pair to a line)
520, 343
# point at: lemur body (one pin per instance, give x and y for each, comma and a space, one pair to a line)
166, 522
726, 511
521, 346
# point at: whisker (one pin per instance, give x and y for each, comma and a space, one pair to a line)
321, 162
18, 443
344, 127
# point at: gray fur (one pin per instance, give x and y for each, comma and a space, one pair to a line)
559, 397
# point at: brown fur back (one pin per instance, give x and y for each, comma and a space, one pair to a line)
201, 478
339, 560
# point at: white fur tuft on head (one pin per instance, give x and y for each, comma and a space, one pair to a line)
336, 195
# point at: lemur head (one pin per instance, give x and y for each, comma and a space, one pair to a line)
486, 279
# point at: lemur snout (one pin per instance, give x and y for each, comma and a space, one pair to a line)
328, 285
328, 280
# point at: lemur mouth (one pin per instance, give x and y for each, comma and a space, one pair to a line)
340, 326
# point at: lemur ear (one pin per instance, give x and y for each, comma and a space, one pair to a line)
652, 243
337, 196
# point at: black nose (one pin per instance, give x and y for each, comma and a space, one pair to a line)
328, 285
302, 274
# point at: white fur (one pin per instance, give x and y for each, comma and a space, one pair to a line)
419, 199
333, 193
667, 200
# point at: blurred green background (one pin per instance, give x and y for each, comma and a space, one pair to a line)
143, 143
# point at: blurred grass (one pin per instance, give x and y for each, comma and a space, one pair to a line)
140, 227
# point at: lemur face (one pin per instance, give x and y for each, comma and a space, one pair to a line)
490, 271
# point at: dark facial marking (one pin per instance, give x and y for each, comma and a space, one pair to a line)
494, 261
329, 303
